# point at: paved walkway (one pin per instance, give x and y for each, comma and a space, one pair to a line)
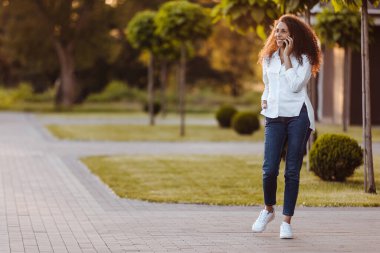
50, 202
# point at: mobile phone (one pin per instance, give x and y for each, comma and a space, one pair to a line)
284, 44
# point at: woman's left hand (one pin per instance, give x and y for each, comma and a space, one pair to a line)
288, 46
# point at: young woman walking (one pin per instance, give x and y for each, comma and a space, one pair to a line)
290, 56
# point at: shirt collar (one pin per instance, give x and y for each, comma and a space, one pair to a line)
276, 54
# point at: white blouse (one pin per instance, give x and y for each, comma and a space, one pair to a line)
286, 90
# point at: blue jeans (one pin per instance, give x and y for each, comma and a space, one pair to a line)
296, 131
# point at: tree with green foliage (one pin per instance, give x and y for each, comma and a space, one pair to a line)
125, 10
342, 29
369, 177
141, 34
128, 65
68, 34
67, 20
186, 23
257, 15
247, 15
166, 53
302, 7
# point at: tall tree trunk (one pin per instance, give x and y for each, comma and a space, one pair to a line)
182, 88
150, 89
362, 40
369, 180
311, 87
347, 88
178, 82
67, 75
163, 80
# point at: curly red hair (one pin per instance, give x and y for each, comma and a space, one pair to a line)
304, 38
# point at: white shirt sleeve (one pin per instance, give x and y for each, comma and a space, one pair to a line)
265, 80
297, 79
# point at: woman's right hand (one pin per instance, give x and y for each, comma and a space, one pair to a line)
288, 46
264, 104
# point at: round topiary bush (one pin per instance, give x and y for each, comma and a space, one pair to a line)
245, 123
335, 157
224, 115
156, 108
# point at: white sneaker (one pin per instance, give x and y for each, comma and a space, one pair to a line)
286, 231
264, 218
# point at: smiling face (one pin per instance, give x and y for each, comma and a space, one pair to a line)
281, 33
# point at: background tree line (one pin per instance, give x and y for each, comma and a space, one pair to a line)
78, 46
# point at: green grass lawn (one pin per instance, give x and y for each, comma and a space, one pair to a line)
171, 132
149, 133
219, 180
50, 108
120, 115
197, 107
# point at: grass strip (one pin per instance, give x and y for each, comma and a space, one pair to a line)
218, 180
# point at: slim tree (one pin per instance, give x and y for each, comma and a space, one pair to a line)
141, 34
369, 181
186, 23
166, 53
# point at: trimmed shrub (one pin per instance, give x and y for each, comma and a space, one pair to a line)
23, 92
117, 91
156, 108
245, 123
7, 98
335, 157
10, 97
225, 114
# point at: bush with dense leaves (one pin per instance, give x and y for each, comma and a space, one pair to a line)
156, 108
117, 91
224, 115
335, 157
245, 123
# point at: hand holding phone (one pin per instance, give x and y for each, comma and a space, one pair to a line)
288, 46
285, 42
